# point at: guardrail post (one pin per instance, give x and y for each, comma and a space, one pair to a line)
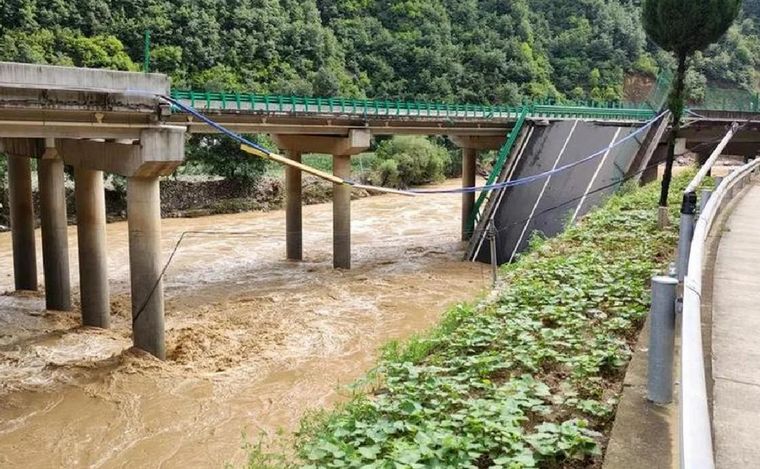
686, 232
662, 340
706, 194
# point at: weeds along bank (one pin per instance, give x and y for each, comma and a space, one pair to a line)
527, 378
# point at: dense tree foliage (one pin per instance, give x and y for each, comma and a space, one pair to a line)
684, 28
457, 50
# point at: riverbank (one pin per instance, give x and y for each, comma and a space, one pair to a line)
529, 377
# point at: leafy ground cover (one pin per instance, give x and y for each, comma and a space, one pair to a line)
529, 377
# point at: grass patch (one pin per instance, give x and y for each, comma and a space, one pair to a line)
528, 378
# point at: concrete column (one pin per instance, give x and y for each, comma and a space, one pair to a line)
55, 238
22, 222
293, 204
342, 214
144, 220
650, 174
469, 158
93, 256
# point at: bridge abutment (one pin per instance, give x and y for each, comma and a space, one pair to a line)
92, 247
54, 226
21, 217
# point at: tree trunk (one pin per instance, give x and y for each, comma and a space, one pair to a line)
676, 104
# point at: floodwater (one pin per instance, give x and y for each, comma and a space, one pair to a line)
253, 341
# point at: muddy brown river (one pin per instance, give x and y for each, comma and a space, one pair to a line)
253, 341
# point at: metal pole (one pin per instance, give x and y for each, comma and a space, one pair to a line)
706, 194
146, 52
688, 211
662, 340
492, 243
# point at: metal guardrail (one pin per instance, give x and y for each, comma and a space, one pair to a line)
689, 204
501, 160
219, 101
696, 446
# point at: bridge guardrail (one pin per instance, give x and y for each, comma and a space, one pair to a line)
695, 429
208, 100
501, 160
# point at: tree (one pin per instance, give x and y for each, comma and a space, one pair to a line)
684, 27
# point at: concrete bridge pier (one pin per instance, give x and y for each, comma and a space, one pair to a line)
157, 153
54, 224
21, 212
293, 209
144, 221
342, 213
357, 141
93, 254
471, 146
469, 162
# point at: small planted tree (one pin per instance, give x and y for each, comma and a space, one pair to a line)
684, 27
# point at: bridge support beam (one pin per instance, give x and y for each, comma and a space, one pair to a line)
21, 214
342, 214
144, 221
341, 148
55, 239
293, 210
469, 161
91, 240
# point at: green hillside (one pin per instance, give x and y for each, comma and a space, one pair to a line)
492, 51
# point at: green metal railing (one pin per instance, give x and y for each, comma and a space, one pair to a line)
498, 167
209, 100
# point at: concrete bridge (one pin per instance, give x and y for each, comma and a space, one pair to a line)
105, 121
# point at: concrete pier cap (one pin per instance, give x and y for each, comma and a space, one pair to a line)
357, 141
159, 152
480, 143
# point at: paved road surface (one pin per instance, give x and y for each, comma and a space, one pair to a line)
736, 337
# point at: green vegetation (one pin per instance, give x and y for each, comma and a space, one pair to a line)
361, 164
439, 50
405, 161
684, 28
527, 378
222, 156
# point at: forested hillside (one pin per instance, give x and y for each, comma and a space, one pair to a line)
457, 50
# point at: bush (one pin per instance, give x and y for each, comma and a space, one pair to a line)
409, 160
222, 156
